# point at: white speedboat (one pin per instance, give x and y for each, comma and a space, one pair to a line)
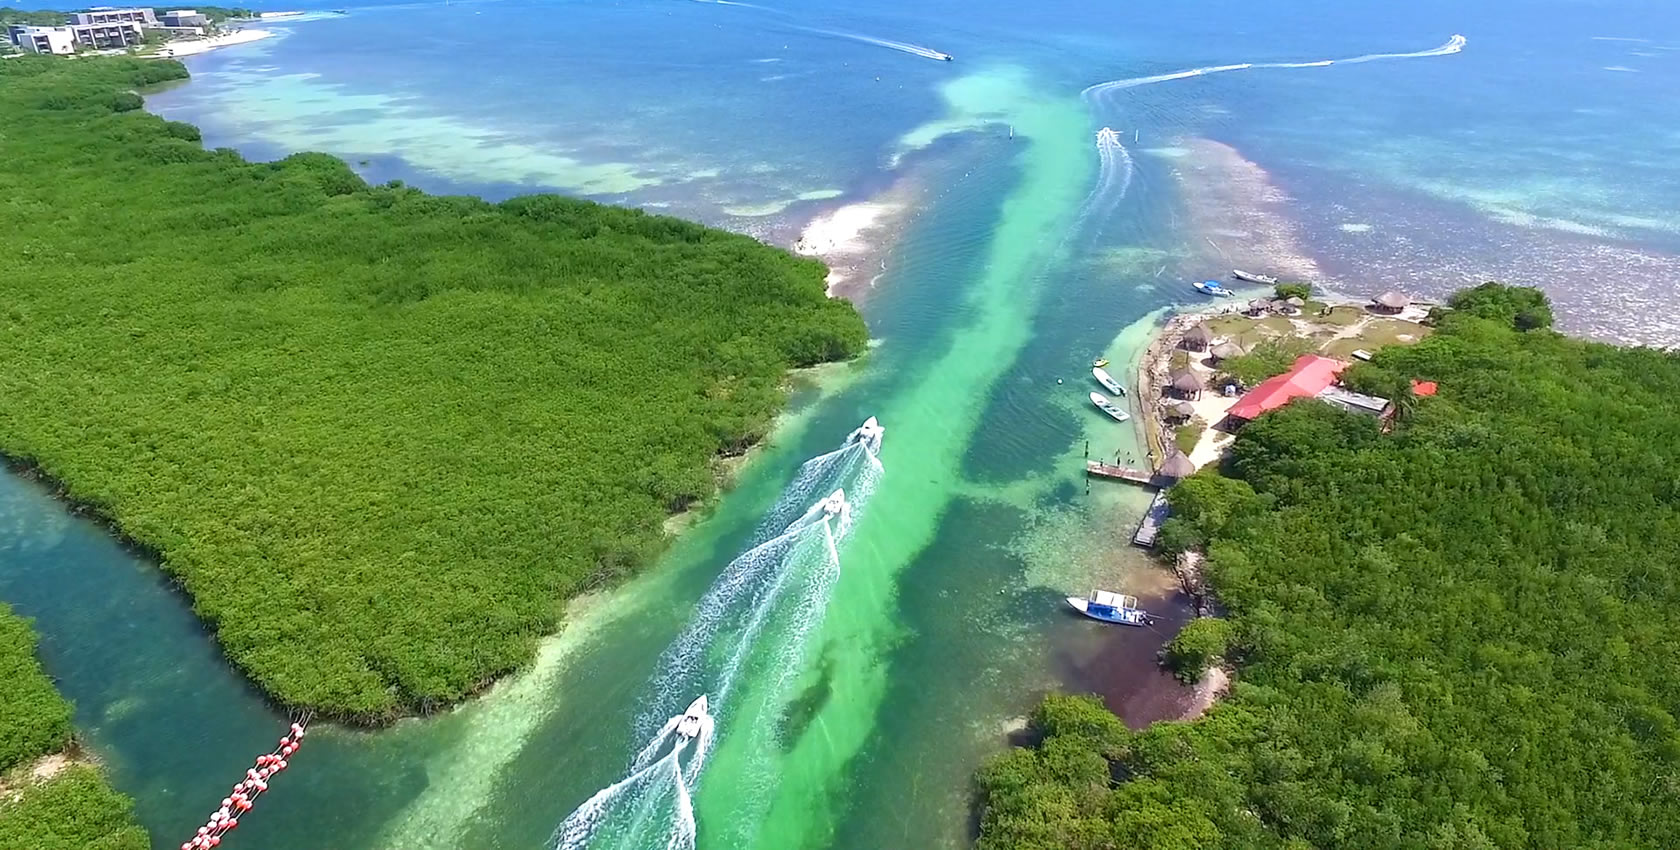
1107, 380
1109, 407
1266, 279
869, 435
694, 719
1111, 608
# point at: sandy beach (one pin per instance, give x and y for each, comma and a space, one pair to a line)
177, 49
848, 239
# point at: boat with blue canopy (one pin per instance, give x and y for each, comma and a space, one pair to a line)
1111, 608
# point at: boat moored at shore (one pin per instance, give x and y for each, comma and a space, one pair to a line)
1111, 608
1107, 380
1251, 277
1211, 287
1109, 407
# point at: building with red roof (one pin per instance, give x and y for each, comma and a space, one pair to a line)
1310, 375
1423, 388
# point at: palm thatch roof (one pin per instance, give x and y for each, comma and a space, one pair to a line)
1185, 381
1393, 300
1295, 301
1226, 351
1198, 336
1183, 408
1177, 466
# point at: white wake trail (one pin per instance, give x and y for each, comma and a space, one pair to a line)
1101, 91
900, 46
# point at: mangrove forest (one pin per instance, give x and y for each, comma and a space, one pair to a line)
378, 437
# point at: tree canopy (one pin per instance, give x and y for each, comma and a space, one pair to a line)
379, 436
1461, 634
74, 809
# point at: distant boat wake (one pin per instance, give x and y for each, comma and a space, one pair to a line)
900, 46
1114, 176
1100, 92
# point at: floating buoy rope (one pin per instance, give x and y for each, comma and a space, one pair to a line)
245, 792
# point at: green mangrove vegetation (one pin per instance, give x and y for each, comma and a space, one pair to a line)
57, 807
378, 436
1464, 633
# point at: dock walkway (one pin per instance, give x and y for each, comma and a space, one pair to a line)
1098, 469
1150, 525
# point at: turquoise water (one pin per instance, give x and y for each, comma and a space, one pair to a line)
1019, 256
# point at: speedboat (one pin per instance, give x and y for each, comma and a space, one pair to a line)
943, 57
1107, 380
694, 719
869, 435
1108, 407
1211, 287
1266, 279
1107, 136
1111, 608
1099, 362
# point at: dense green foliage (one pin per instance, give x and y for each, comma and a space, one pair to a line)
1295, 289
379, 436
1267, 358
1462, 634
74, 809
34, 719
38, 18
1201, 644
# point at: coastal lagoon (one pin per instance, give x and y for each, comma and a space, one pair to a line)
1000, 253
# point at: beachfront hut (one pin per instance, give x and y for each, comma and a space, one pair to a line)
1295, 301
1176, 466
1198, 338
1226, 351
1185, 383
1181, 410
1390, 302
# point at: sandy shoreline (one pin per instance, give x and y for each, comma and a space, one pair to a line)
854, 239
190, 47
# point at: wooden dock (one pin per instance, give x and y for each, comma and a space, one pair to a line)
1150, 525
1098, 469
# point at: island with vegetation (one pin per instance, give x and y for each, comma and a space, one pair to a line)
1462, 631
378, 436
49, 799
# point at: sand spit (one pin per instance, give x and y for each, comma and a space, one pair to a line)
856, 238
189, 47
1240, 217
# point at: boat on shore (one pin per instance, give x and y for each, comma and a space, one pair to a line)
1107, 380
1251, 277
1109, 407
1211, 287
1111, 608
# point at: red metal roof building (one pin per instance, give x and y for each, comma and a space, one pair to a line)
1307, 378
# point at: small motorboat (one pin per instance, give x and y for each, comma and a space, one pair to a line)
1266, 279
1107, 380
1099, 362
1109, 407
944, 57
1111, 608
694, 720
834, 506
869, 434
1211, 287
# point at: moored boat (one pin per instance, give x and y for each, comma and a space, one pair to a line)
1109, 407
1111, 608
1107, 380
1211, 287
1266, 279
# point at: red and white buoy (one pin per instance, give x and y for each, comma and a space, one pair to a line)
245, 792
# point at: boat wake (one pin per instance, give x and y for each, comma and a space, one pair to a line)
653, 806
751, 628
900, 46
1114, 176
1101, 91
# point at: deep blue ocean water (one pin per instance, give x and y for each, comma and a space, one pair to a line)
1543, 153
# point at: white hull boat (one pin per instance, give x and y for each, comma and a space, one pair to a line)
1111, 608
1109, 407
1266, 279
869, 435
695, 719
1107, 381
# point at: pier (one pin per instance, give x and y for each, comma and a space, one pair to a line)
1150, 525
1098, 469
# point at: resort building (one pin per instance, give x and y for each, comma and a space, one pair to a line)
184, 18
1349, 400
1310, 375
54, 40
111, 15
1390, 303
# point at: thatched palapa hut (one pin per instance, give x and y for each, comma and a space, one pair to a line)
1390, 302
1226, 351
1185, 383
1181, 410
1176, 466
1198, 338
